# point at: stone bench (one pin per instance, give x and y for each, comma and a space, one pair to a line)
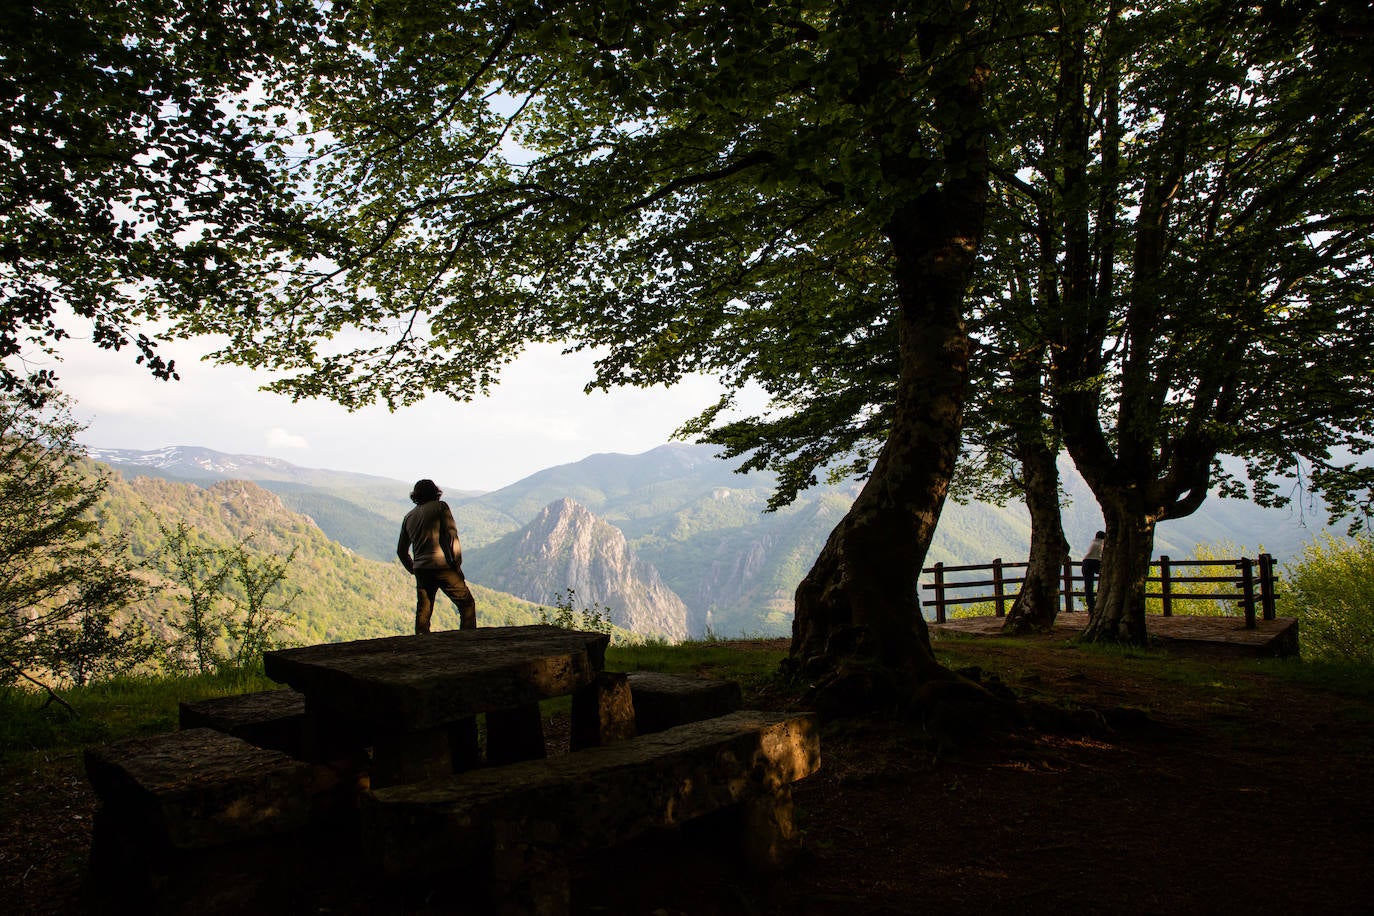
272, 719
619, 707
198, 816
276, 720
522, 825
663, 701
201, 787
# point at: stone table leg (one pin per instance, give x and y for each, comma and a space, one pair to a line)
406, 757
603, 712
514, 735
463, 743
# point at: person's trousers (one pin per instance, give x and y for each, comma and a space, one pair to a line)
428, 583
1091, 569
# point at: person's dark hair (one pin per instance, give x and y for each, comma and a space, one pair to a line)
424, 491
1101, 534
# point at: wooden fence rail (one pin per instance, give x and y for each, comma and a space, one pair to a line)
1251, 582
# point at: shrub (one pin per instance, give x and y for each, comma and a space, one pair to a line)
1331, 593
969, 611
569, 616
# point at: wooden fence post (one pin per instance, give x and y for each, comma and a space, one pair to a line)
939, 593
1247, 585
997, 589
1068, 586
1267, 594
1165, 587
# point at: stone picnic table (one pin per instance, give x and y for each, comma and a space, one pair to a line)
413, 699
368, 784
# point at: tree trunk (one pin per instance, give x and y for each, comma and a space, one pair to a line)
858, 629
861, 599
1118, 614
1037, 603
862, 595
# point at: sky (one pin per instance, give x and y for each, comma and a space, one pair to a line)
537, 417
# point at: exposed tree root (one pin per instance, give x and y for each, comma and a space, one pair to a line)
964, 708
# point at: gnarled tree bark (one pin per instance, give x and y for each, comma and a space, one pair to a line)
1037, 603
860, 602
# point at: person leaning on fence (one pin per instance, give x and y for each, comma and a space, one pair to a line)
429, 549
1092, 565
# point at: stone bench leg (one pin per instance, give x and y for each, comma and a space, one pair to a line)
769, 837
759, 830
525, 882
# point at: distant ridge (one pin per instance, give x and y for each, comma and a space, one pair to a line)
360, 511
195, 462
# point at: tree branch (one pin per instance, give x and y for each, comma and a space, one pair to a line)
52, 695
758, 157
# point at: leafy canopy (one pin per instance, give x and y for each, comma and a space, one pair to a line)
1191, 224
130, 186
679, 186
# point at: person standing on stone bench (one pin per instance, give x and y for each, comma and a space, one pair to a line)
429, 549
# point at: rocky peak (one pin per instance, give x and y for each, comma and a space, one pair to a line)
567, 546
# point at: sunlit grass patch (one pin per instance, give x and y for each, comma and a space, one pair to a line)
720, 658
109, 710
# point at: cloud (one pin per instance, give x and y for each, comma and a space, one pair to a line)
280, 438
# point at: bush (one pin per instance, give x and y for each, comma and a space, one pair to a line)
969, 611
1330, 590
594, 617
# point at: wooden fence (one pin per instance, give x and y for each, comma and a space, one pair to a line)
1251, 582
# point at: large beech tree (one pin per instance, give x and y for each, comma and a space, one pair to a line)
682, 185
1012, 442
1059, 326
1197, 217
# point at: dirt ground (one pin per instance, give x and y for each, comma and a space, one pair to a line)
1226, 790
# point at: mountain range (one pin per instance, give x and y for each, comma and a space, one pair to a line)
673, 541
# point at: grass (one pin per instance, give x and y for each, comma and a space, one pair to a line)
126, 707
110, 710
718, 658
1347, 678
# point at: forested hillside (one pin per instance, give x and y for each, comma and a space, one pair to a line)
343, 595
702, 526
